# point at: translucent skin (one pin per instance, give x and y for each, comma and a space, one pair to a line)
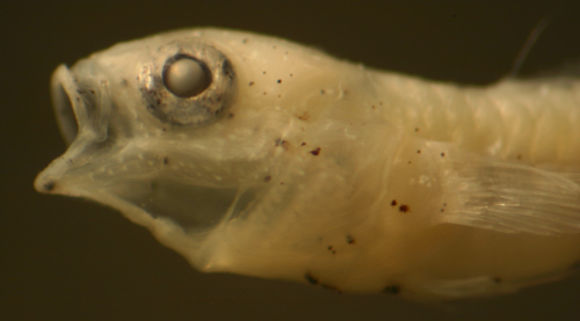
330, 173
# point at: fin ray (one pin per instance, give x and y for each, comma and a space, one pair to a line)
515, 198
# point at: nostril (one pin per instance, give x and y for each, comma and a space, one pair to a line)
64, 113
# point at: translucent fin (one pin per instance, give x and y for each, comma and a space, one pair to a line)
484, 285
514, 198
467, 287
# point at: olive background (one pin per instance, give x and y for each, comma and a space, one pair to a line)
70, 259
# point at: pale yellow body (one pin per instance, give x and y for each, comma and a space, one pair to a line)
331, 173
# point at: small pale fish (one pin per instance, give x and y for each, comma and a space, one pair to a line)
254, 155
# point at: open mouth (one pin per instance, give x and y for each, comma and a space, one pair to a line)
65, 100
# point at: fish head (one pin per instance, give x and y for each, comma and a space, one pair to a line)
191, 131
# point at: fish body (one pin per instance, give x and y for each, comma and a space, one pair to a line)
283, 162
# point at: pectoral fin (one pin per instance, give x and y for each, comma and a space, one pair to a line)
514, 198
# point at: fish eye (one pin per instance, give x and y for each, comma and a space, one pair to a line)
187, 83
185, 76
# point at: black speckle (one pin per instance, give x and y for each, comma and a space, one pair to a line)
282, 143
164, 129
251, 83
417, 129
322, 92
497, 280
165, 160
49, 186
404, 208
331, 249
279, 81
442, 154
315, 152
519, 156
267, 178
303, 144
394, 203
392, 289
310, 278
264, 72
231, 115
350, 239
418, 151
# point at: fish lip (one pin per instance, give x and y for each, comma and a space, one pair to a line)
66, 102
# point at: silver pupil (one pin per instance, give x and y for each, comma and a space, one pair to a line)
186, 77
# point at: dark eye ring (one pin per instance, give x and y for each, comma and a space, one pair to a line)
187, 82
185, 76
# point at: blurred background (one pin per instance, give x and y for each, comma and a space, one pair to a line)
69, 259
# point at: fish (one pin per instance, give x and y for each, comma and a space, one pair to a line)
254, 155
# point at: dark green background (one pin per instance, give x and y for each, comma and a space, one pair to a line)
66, 259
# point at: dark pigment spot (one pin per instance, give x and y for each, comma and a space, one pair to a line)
315, 152
303, 144
418, 151
416, 130
331, 249
231, 115
310, 278
442, 154
322, 92
497, 279
251, 83
394, 203
305, 116
404, 208
350, 239
267, 178
282, 143
392, 289
165, 160
279, 81
49, 186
